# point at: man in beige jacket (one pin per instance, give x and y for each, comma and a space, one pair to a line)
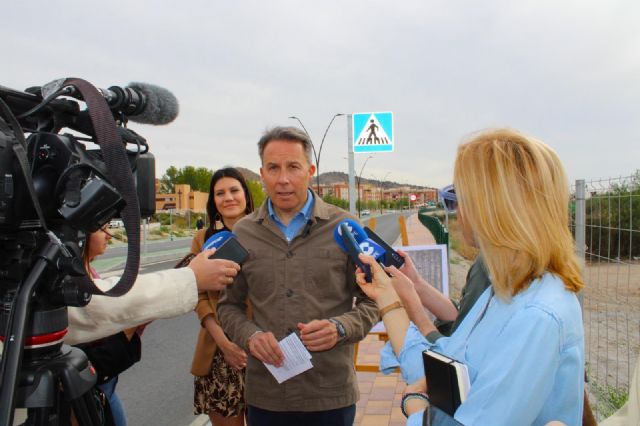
298, 281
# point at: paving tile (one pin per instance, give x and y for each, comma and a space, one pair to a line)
365, 387
375, 420
397, 416
386, 382
378, 407
364, 376
381, 394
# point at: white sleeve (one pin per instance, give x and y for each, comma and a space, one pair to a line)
153, 296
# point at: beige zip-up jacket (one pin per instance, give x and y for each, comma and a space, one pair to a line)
288, 283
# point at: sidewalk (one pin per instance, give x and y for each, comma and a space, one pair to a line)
417, 233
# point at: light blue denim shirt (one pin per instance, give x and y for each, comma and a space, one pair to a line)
299, 220
525, 357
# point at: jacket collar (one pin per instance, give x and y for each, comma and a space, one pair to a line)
320, 210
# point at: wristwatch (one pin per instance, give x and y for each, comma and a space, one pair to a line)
342, 333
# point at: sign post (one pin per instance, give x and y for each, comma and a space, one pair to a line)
352, 168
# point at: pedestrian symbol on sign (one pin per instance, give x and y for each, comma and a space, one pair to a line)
373, 132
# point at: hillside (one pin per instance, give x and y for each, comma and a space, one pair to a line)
248, 174
330, 178
336, 177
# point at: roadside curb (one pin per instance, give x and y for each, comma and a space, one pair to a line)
201, 420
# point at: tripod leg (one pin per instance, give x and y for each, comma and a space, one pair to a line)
86, 410
37, 417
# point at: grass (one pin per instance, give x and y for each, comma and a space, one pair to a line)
608, 398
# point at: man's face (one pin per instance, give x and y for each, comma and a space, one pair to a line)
286, 172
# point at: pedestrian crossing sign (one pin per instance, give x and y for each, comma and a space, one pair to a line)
372, 132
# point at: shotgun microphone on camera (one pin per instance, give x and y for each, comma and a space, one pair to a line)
143, 102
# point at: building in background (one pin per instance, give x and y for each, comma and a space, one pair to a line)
369, 192
182, 200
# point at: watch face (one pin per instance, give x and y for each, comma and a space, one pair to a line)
341, 331
340, 328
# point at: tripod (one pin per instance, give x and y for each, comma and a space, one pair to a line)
51, 385
38, 372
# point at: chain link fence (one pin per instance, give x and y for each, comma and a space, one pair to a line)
606, 225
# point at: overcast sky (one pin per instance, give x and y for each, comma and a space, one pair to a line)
566, 72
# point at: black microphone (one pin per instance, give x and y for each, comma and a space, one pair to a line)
143, 102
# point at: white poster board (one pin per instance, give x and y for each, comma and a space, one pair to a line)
432, 265
431, 262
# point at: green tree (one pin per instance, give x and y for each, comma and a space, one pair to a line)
168, 180
257, 193
197, 177
613, 217
343, 204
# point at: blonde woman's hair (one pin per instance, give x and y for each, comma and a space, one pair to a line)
514, 195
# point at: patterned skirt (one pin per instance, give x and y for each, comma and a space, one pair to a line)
222, 391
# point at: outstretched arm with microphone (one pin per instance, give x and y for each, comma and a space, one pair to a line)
156, 295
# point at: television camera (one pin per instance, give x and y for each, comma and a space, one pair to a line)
55, 190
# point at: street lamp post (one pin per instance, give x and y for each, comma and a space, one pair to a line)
380, 186
171, 224
359, 178
317, 154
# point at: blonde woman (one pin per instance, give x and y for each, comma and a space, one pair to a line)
522, 341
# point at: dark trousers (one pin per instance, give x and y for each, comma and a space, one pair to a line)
338, 417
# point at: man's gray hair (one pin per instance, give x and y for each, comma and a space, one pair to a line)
282, 133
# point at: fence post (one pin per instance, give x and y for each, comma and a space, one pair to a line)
580, 232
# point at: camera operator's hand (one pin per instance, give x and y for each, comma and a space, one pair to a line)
213, 274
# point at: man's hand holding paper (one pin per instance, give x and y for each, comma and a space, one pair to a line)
297, 359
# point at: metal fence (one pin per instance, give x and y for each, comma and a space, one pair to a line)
606, 224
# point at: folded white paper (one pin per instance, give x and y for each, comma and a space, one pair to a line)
297, 359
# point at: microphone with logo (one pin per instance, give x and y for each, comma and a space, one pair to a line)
352, 239
227, 247
216, 240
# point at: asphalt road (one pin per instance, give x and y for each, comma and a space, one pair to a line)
159, 389
152, 246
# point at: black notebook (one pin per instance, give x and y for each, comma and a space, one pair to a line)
447, 381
